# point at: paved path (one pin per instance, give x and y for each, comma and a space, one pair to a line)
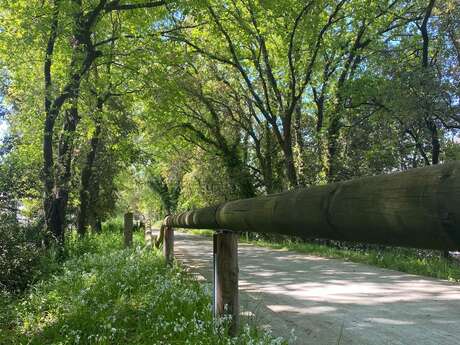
325, 300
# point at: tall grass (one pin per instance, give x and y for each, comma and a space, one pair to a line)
104, 294
114, 224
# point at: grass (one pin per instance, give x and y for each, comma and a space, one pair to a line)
207, 233
103, 294
400, 259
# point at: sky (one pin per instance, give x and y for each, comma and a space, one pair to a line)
3, 128
3, 123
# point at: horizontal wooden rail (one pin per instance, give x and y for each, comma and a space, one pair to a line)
416, 208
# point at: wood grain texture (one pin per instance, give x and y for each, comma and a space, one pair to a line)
168, 245
417, 208
226, 278
128, 229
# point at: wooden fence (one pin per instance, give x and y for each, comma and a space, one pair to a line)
418, 208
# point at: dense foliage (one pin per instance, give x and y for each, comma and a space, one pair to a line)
106, 295
21, 255
155, 106
108, 106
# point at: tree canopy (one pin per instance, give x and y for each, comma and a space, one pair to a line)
157, 106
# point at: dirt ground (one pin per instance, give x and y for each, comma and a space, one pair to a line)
325, 301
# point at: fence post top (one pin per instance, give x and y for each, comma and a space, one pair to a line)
224, 231
167, 220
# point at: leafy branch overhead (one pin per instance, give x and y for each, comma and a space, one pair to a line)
158, 106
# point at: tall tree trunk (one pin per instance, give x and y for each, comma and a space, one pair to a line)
424, 32
335, 123
299, 145
435, 143
51, 113
290, 166
268, 168
319, 101
56, 176
56, 190
323, 153
86, 178
65, 155
48, 177
285, 142
264, 157
56, 201
291, 173
430, 123
332, 148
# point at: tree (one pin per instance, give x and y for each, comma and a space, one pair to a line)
75, 38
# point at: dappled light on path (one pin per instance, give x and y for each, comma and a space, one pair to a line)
327, 299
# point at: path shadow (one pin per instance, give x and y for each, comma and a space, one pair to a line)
327, 299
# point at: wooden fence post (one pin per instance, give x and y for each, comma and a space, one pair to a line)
148, 238
168, 245
214, 270
128, 229
226, 298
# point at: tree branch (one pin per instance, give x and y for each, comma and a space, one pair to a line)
291, 46
49, 56
116, 6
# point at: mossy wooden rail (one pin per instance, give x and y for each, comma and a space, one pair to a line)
417, 208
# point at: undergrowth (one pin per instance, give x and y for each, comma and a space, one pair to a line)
103, 294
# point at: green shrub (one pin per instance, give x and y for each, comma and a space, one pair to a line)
91, 243
21, 255
114, 225
117, 296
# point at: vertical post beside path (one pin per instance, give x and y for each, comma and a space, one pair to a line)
214, 270
148, 237
168, 245
226, 298
128, 229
